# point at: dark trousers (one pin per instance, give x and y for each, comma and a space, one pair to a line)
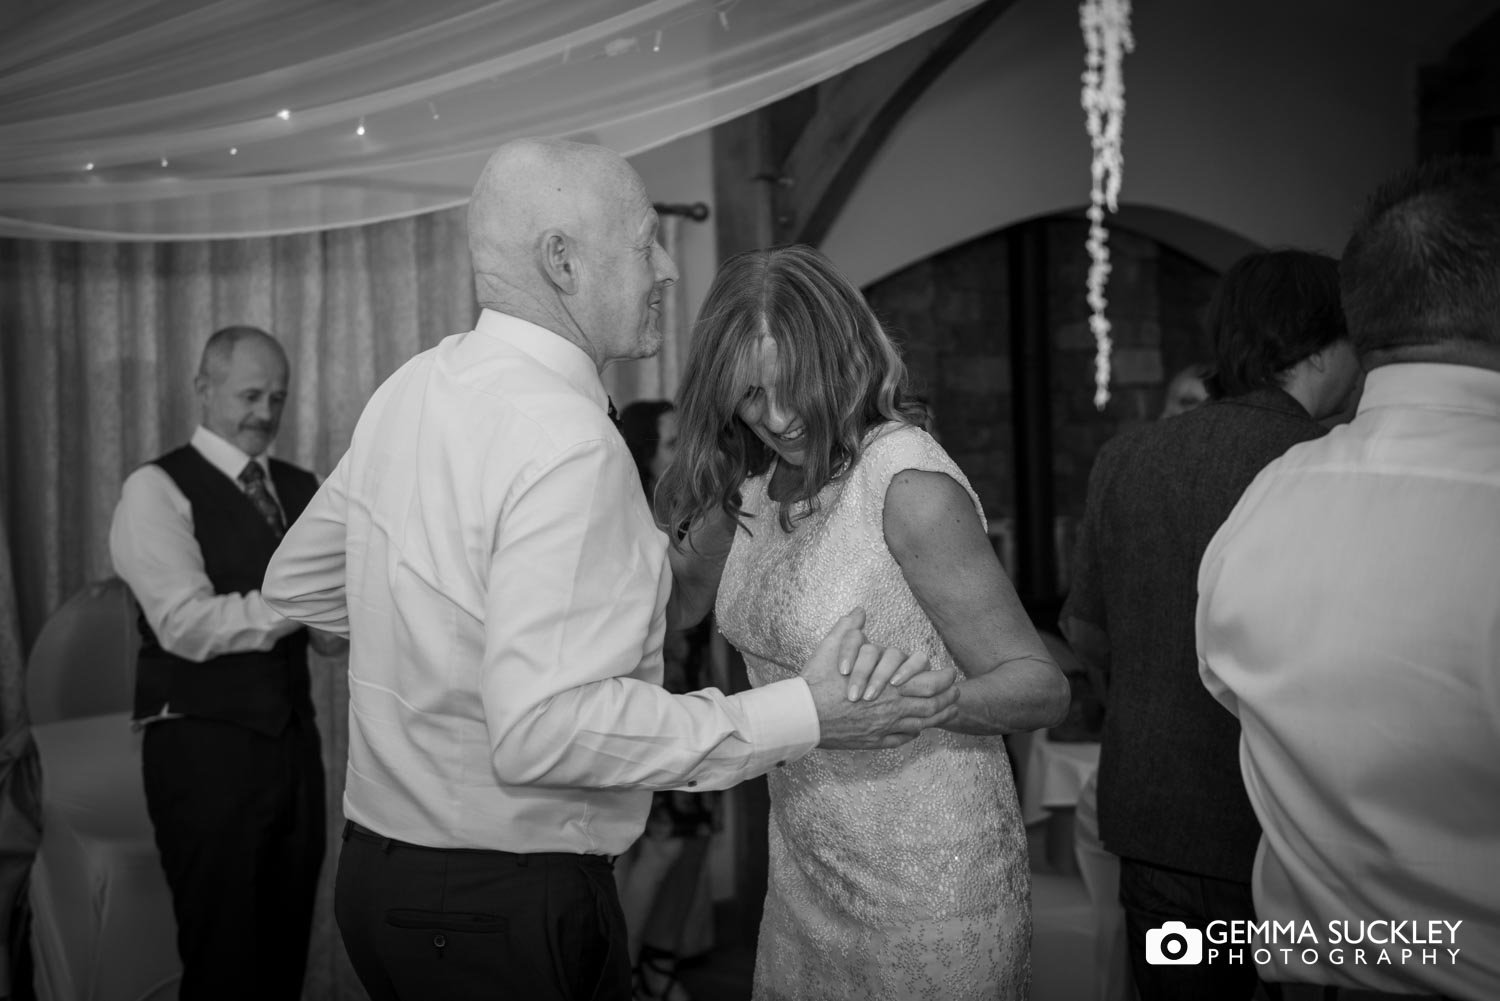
432, 924
1318, 992
239, 824
1151, 895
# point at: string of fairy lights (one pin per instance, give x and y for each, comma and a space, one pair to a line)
653, 39
1107, 37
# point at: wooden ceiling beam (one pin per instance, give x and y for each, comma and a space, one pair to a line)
856, 112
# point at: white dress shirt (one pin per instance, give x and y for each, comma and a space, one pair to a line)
152, 546
487, 548
1349, 615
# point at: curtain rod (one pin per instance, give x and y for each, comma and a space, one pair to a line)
697, 211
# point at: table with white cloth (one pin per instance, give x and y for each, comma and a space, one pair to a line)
103, 927
1053, 775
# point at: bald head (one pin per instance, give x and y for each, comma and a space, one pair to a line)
563, 234
531, 186
218, 351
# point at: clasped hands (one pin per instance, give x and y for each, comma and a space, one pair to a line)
869, 696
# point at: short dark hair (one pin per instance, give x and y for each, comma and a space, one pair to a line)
1423, 264
1272, 309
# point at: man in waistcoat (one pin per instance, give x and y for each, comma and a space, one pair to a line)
234, 781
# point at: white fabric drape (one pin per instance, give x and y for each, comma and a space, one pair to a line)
98, 343
155, 94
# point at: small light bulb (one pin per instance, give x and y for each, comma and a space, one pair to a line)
234, 151
656, 46
724, 19
285, 114
163, 161
89, 165
432, 107
359, 129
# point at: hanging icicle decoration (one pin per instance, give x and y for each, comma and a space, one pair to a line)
1106, 35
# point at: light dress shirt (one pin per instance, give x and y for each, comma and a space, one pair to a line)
487, 548
152, 546
1349, 615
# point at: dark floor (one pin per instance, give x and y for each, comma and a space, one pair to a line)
722, 975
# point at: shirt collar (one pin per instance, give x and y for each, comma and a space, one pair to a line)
224, 455
547, 348
1271, 398
1434, 386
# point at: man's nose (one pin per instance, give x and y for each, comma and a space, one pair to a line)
666, 268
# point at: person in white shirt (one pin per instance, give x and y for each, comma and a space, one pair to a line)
1349, 615
230, 755
486, 546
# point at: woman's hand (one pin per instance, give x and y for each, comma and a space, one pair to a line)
876, 667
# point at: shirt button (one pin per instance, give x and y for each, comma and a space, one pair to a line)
781, 764
692, 783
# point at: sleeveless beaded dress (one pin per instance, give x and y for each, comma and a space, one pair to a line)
894, 874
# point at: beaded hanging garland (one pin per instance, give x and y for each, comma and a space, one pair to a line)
1106, 35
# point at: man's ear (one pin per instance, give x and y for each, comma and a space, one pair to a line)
200, 385
558, 261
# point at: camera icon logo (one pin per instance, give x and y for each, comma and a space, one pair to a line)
1174, 944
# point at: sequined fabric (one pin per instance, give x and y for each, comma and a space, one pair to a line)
896, 874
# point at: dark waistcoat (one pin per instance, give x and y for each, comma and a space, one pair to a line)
260, 690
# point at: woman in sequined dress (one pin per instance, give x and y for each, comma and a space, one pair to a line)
811, 487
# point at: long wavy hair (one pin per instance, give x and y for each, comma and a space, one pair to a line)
839, 373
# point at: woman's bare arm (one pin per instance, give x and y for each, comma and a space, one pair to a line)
936, 537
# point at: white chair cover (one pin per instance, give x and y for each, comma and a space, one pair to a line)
83, 663
102, 914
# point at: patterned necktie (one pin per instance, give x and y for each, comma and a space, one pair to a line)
614, 415
253, 478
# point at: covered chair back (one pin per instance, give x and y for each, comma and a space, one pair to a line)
83, 663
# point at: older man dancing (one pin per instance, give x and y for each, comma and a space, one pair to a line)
486, 545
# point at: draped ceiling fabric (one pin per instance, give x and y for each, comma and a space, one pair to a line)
98, 346
152, 194
159, 119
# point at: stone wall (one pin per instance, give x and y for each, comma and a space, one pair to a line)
951, 314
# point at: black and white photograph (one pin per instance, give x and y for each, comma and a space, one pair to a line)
749, 500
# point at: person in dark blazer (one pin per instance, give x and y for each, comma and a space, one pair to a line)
231, 758
1171, 802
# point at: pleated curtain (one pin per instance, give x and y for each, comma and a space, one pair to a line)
98, 347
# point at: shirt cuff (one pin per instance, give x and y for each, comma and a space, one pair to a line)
784, 720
